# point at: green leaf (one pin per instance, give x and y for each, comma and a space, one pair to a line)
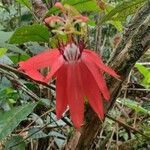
14, 140
146, 73
26, 3
2, 51
5, 60
146, 80
12, 48
35, 47
4, 36
143, 70
84, 5
9, 120
45, 102
34, 33
17, 58
80, 5
133, 105
118, 25
121, 11
35, 133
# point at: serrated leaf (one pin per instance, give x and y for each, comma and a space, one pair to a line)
121, 11
84, 5
9, 120
34, 33
80, 5
14, 140
2, 51
26, 3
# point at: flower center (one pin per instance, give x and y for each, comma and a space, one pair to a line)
71, 52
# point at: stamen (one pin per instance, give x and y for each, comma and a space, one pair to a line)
71, 52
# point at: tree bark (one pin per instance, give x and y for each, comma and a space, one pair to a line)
7, 2
136, 41
39, 8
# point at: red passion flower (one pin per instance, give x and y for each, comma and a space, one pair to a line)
79, 77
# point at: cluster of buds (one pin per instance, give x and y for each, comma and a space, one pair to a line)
71, 23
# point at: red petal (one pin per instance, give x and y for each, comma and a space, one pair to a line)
32, 65
60, 6
53, 19
97, 60
93, 54
34, 74
81, 18
92, 91
61, 91
98, 76
55, 67
75, 95
44, 59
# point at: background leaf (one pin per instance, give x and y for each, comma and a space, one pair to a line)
26, 3
2, 51
35, 33
10, 119
134, 105
146, 73
121, 11
143, 70
12, 48
13, 141
84, 5
4, 36
80, 5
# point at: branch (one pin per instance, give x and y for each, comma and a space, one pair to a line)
133, 26
23, 75
13, 78
127, 126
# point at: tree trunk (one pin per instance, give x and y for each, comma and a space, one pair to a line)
135, 42
7, 2
39, 8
